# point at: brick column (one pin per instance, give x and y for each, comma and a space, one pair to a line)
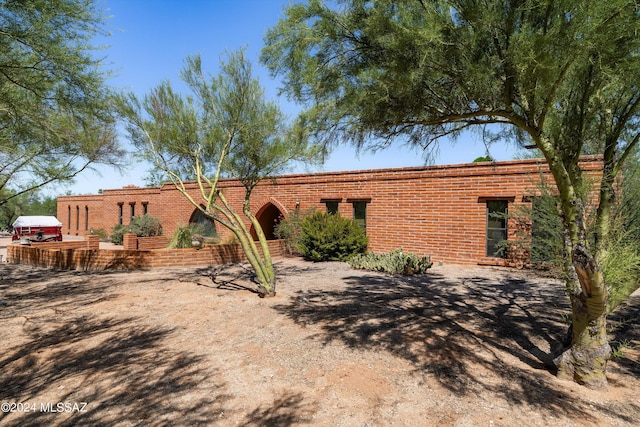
93, 241
130, 242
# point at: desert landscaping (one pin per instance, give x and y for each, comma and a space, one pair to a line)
459, 346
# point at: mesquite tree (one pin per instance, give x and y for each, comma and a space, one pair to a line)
226, 129
561, 76
55, 108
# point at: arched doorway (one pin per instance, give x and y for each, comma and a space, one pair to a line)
268, 217
206, 226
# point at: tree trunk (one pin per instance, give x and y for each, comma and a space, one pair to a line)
585, 360
261, 263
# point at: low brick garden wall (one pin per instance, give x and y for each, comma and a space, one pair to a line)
86, 255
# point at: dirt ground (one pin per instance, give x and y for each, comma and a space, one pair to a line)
335, 347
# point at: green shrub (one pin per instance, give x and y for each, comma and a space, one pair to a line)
537, 240
142, 226
184, 236
100, 233
146, 226
621, 269
330, 237
393, 262
117, 233
290, 230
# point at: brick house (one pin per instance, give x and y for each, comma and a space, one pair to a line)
441, 211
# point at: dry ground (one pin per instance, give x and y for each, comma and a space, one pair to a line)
335, 347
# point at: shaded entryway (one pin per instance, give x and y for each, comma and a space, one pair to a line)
268, 216
206, 226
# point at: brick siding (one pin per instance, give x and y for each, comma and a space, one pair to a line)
438, 211
77, 255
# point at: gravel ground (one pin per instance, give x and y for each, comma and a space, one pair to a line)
336, 347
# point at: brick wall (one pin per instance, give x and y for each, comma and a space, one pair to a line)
438, 210
76, 255
150, 243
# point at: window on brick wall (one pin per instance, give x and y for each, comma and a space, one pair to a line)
120, 212
77, 217
331, 205
69, 217
145, 208
133, 210
496, 227
86, 218
360, 211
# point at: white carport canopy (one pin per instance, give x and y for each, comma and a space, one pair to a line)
37, 221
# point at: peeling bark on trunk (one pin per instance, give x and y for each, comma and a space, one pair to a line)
585, 360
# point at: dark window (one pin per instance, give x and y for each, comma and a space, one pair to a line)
120, 213
133, 211
332, 207
77, 217
496, 227
360, 213
69, 217
145, 208
86, 218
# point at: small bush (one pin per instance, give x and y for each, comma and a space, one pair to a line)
330, 237
142, 226
100, 233
290, 230
393, 262
621, 269
146, 226
184, 236
117, 233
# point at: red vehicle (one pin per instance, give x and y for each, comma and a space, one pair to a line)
37, 229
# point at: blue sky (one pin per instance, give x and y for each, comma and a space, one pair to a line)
150, 39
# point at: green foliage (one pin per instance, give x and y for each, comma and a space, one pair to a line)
393, 262
621, 260
376, 71
621, 268
117, 233
290, 230
141, 226
29, 203
55, 114
185, 235
538, 237
330, 237
100, 232
482, 159
629, 207
146, 226
621, 349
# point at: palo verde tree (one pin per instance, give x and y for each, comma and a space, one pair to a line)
226, 129
55, 115
561, 76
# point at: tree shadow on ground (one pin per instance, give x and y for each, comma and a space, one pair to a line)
289, 409
120, 367
227, 278
233, 277
460, 332
624, 325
